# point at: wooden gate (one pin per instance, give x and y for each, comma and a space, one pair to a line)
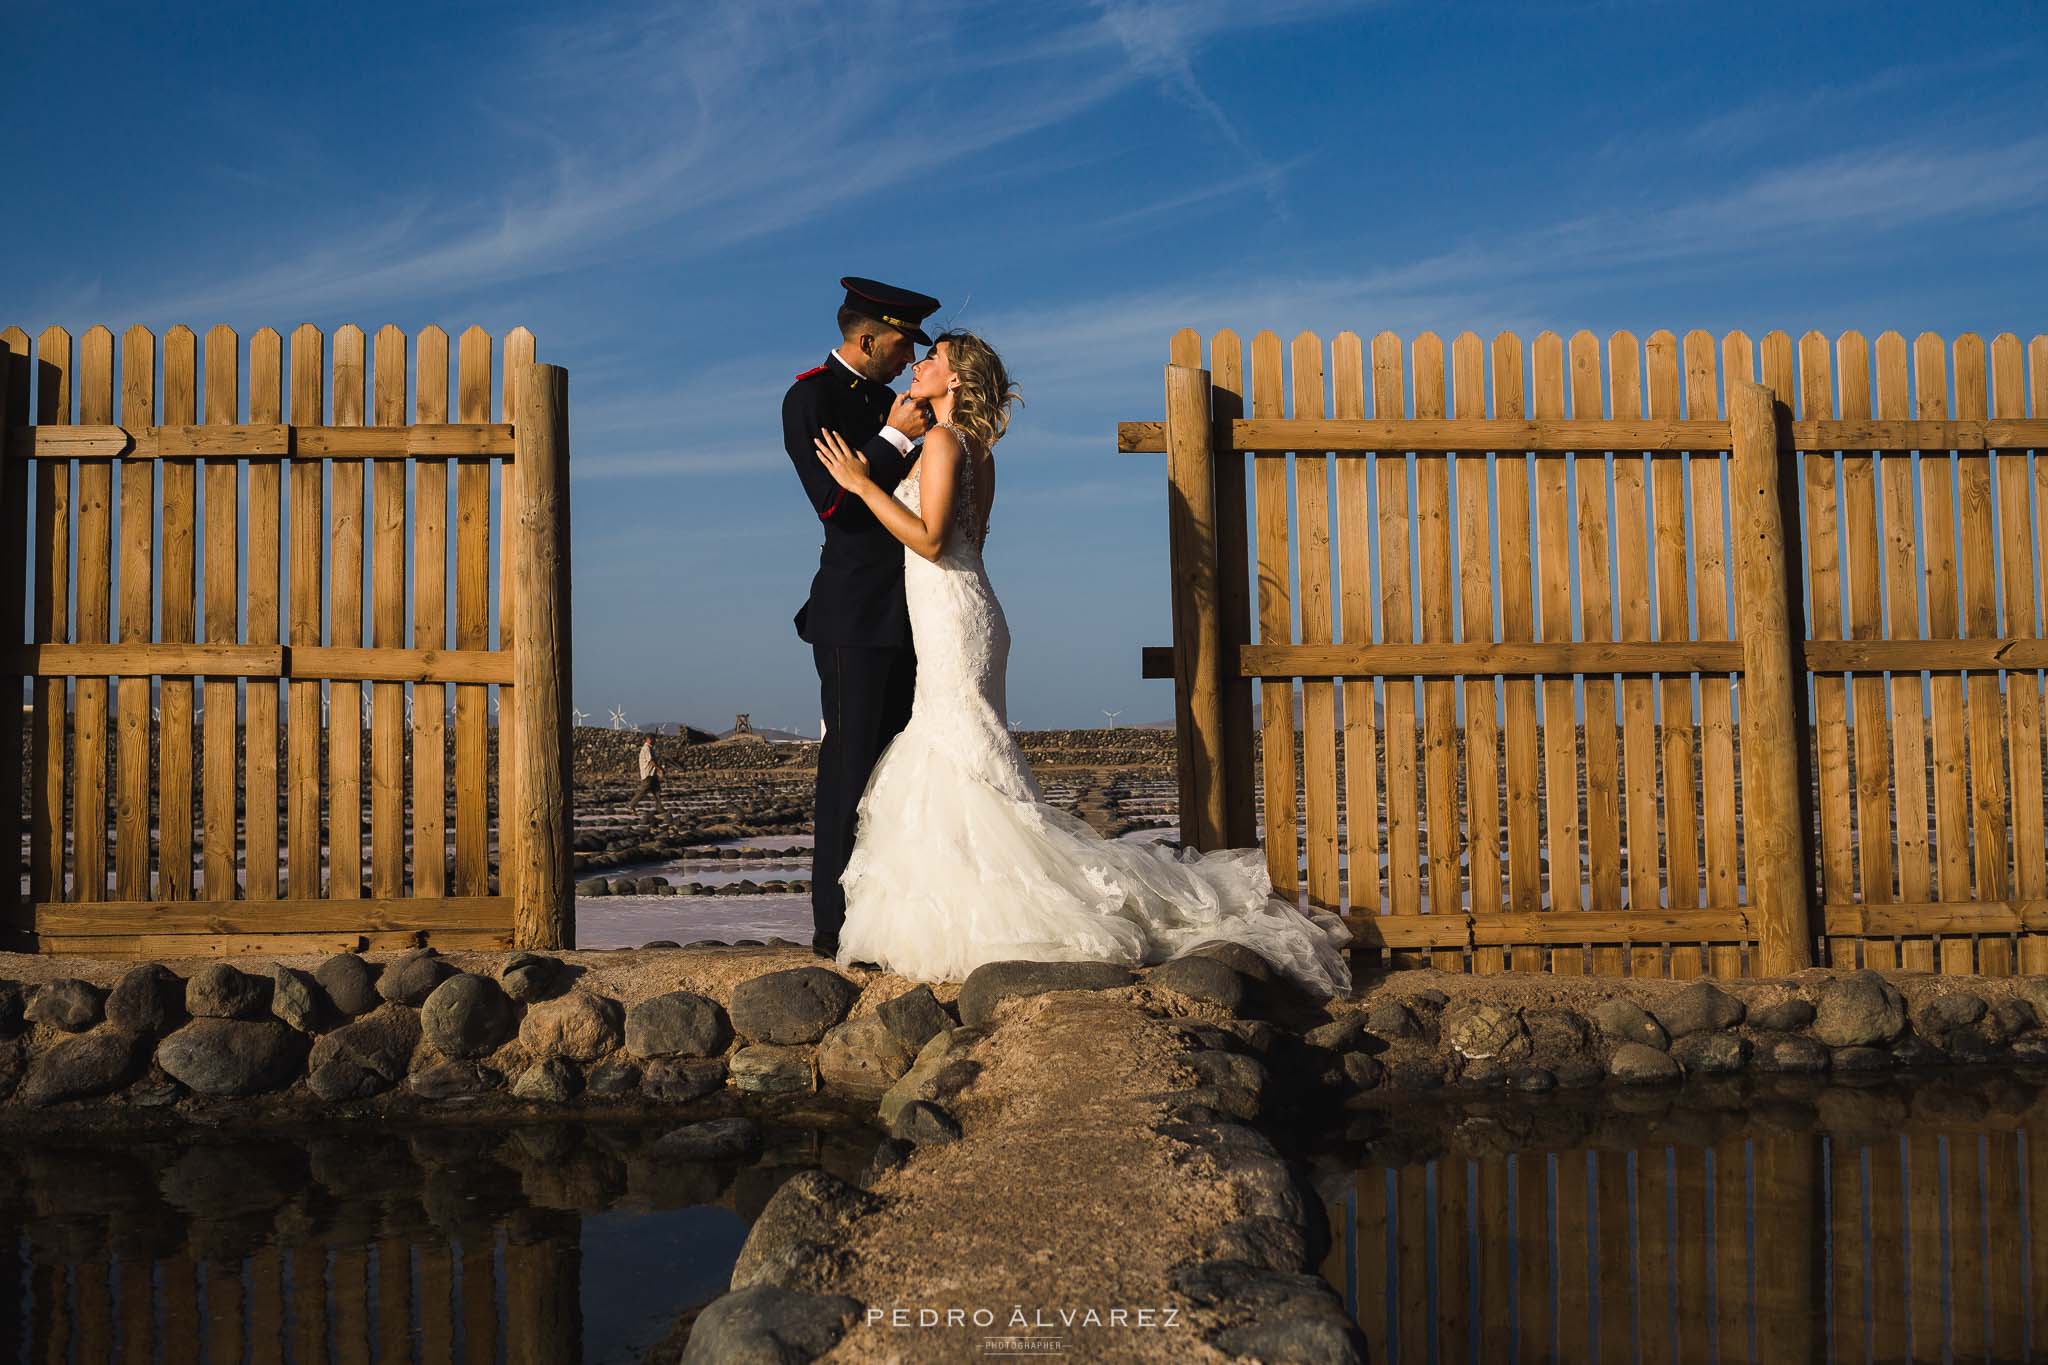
218, 601
1586, 683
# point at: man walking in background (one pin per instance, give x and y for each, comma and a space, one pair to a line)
650, 776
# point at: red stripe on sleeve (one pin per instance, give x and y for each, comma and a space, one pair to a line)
835, 505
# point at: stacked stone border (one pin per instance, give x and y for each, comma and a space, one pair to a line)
1265, 1071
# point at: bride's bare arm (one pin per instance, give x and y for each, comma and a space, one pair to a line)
936, 469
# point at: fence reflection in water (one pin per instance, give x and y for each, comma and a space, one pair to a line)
555, 1243
1922, 1245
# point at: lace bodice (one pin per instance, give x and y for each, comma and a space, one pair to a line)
970, 530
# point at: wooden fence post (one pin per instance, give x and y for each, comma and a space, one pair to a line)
544, 911
14, 376
1774, 802
1198, 656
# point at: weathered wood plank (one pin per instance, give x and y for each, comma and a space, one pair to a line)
430, 624
2022, 617
472, 619
387, 624
1593, 474
1440, 696
1717, 705
95, 585
1871, 730
1944, 622
1476, 602
177, 622
132, 814
1639, 723
1397, 614
260, 861
222, 742
1524, 738
345, 625
1554, 612
1679, 734
1977, 545
305, 829
1824, 587
1909, 707
1355, 604
1318, 697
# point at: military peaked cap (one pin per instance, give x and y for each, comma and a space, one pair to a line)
903, 309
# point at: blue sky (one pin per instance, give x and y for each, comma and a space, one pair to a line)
668, 195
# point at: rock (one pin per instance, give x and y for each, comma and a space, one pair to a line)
792, 1006
1262, 1241
1240, 959
96, 1063
411, 978
1913, 1050
612, 1077
1325, 1337
13, 1065
1200, 977
1627, 1022
528, 977
990, 984
2009, 1018
1483, 1030
577, 1025
915, 1016
550, 1081
377, 1045
596, 886
920, 1081
1532, 1079
765, 1324
12, 1008
297, 1000
1936, 1017
1786, 1016
2032, 989
1363, 1070
711, 1140
1481, 1071
468, 1016
1860, 1009
1556, 1034
862, 1056
925, 1124
1700, 1007
218, 991
1578, 1073
1339, 1035
1429, 997
1855, 1059
650, 886
1391, 1019
1789, 1052
350, 982
216, 1056
453, 1081
771, 1069
808, 1214
1711, 1054
1239, 1081
1639, 1063
67, 1004
889, 1154
679, 1024
150, 998
678, 1082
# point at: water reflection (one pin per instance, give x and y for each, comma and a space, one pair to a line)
557, 1243
1854, 1228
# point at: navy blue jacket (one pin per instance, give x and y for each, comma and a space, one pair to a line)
857, 593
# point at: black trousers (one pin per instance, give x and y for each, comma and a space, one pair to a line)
865, 692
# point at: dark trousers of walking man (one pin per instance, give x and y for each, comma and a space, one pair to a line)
865, 692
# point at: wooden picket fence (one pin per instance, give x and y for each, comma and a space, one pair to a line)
234, 539
1616, 640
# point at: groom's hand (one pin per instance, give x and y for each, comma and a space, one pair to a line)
909, 416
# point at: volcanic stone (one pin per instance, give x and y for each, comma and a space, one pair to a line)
1785, 1016
770, 1069
1945, 1012
1700, 1007
468, 1016
577, 1025
925, 1124
678, 1082
410, 979
1485, 1030
1789, 1052
1639, 1063
1392, 1019
861, 1056
711, 1140
1711, 1054
811, 1210
150, 998
793, 1006
1859, 1010
679, 1024
1200, 977
452, 1080
96, 1063
12, 1005
297, 999
1627, 1022
381, 1044
613, 1076
215, 1056
1244, 961
765, 1324
218, 991
552, 1080
920, 1081
1363, 1070
350, 982
915, 1016
67, 1004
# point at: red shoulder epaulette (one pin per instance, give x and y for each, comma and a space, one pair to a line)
815, 369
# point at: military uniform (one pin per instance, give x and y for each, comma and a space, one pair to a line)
855, 620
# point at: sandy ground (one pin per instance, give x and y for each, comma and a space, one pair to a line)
1059, 1196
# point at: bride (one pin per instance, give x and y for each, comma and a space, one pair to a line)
959, 860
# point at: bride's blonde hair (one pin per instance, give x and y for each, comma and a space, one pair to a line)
981, 405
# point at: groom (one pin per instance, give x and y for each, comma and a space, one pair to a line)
856, 622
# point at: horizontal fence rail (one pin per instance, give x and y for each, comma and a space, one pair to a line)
1538, 669
280, 696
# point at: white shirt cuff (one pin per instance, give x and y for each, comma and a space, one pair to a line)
897, 439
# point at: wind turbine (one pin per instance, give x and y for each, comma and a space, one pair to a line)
619, 718
1113, 715
579, 715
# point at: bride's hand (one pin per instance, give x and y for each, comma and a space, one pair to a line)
848, 468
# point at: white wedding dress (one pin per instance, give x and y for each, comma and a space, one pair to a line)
959, 861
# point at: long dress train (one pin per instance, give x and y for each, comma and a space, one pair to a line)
959, 860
